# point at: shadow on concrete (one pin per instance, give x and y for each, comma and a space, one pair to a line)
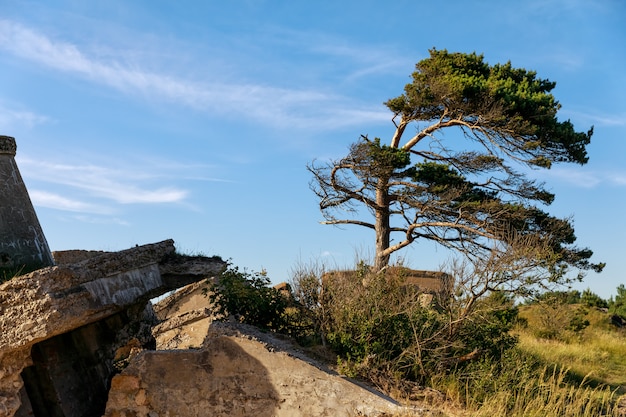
278, 343
70, 374
220, 380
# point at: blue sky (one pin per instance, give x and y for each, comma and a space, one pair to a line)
194, 120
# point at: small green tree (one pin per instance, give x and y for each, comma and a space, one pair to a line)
563, 297
559, 317
591, 299
617, 304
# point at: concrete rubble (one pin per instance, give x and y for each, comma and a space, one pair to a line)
56, 319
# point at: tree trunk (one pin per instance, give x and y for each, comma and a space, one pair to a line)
382, 226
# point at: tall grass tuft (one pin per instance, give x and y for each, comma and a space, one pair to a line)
549, 394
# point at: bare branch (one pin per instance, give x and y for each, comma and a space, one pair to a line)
347, 221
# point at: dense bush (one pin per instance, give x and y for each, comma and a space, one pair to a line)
249, 298
376, 323
487, 330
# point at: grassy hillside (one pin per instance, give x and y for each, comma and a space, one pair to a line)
570, 361
597, 352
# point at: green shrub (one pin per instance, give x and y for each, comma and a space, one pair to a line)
488, 331
248, 297
578, 322
308, 315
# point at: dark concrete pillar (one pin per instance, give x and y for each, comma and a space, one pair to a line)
23, 246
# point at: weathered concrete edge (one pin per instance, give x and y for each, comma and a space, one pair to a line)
69, 296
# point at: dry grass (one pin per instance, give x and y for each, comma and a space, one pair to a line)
599, 353
550, 395
547, 394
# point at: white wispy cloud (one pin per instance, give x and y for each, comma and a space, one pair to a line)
58, 202
100, 220
597, 119
582, 178
277, 106
366, 60
10, 117
113, 185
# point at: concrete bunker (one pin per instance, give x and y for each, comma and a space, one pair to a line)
64, 329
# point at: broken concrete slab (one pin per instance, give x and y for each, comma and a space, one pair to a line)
54, 300
184, 318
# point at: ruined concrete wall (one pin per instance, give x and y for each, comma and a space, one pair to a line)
185, 318
23, 246
222, 380
53, 301
426, 281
